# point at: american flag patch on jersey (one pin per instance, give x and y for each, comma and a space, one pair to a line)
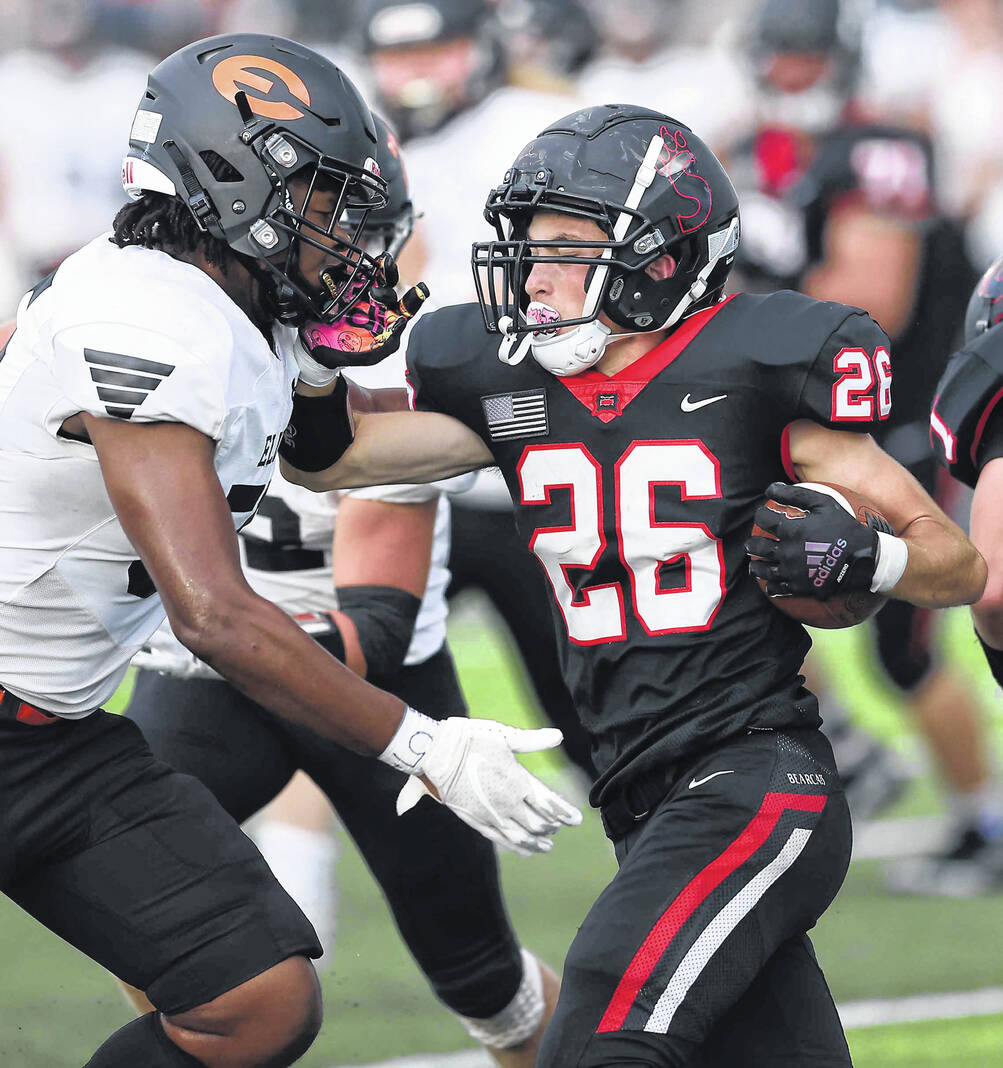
516, 415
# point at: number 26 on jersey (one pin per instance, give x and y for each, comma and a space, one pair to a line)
645, 546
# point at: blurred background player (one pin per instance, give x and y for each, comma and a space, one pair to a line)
439, 73
669, 54
844, 208
547, 43
966, 431
952, 93
83, 87
375, 598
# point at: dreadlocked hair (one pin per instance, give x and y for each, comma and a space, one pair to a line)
164, 222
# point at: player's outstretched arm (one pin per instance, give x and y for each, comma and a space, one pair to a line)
392, 447
943, 567
171, 505
169, 500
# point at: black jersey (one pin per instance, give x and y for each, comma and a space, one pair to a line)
966, 425
636, 493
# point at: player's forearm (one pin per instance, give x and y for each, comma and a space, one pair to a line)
944, 567
264, 654
400, 447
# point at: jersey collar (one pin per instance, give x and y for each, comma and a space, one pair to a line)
606, 396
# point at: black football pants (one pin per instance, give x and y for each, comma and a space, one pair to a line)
696, 954
439, 876
137, 865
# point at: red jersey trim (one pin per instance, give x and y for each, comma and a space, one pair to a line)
785, 454
629, 381
980, 427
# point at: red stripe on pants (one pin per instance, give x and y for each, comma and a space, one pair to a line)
693, 895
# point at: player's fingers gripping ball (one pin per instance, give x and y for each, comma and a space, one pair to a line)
824, 554
371, 329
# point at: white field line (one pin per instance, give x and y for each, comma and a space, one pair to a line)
951, 1006
876, 1012
464, 1059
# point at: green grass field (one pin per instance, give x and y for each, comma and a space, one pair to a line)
56, 1006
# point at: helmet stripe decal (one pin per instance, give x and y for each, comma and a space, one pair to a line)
642, 182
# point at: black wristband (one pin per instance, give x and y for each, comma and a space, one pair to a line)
320, 430
994, 658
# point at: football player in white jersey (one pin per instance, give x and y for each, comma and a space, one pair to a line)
385, 549
144, 398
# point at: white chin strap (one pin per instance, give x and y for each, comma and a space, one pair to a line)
581, 348
560, 354
577, 350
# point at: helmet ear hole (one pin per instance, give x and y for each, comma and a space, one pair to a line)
664, 267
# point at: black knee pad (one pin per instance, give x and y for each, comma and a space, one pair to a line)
903, 635
141, 1041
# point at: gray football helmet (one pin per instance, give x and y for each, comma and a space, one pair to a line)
227, 124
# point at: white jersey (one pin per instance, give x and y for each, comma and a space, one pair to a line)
452, 171
130, 334
296, 525
288, 509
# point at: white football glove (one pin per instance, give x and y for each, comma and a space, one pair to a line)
472, 766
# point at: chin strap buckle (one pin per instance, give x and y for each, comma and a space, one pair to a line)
513, 349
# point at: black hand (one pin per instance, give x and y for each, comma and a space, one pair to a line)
821, 549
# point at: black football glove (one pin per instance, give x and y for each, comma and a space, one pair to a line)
371, 329
821, 553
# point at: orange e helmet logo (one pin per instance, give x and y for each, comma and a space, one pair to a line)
234, 69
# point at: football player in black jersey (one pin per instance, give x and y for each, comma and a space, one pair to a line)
638, 417
842, 207
966, 432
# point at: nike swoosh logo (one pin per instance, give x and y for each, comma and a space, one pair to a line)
707, 778
691, 406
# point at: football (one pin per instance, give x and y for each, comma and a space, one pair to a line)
841, 611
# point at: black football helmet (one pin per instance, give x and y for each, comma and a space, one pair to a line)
226, 123
387, 229
652, 186
985, 307
419, 104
